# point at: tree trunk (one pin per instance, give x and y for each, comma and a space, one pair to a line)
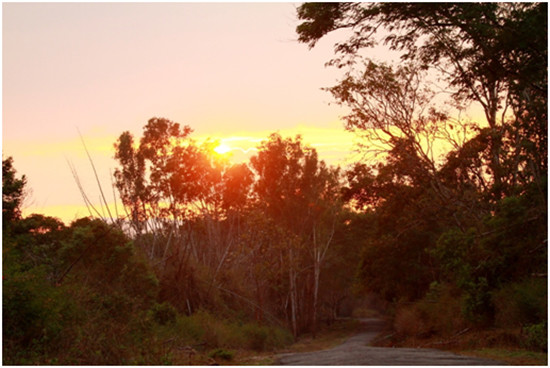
317, 273
292, 291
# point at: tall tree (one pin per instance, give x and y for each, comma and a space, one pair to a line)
300, 192
460, 220
494, 54
184, 205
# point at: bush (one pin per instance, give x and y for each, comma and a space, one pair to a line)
221, 353
408, 321
262, 338
190, 328
163, 314
221, 333
522, 303
537, 336
279, 337
476, 301
439, 312
34, 314
256, 336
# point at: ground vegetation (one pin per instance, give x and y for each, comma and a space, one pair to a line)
443, 222
457, 206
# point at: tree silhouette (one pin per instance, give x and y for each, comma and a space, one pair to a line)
13, 193
491, 54
456, 219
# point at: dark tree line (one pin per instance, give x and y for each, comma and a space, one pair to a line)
257, 234
451, 217
474, 220
71, 294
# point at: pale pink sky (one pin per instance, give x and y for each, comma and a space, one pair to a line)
233, 72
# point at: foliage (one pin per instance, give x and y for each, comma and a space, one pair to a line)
65, 288
163, 313
483, 59
12, 193
34, 314
221, 353
449, 227
537, 336
521, 303
202, 222
437, 313
473, 218
184, 207
213, 332
506, 249
301, 193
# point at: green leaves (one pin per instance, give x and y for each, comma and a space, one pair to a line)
69, 287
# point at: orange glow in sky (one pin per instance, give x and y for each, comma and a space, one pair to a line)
234, 73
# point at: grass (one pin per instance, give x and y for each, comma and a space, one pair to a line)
510, 356
502, 345
206, 339
335, 334
327, 337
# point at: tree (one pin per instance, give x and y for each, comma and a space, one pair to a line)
13, 193
260, 265
65, 287
185, 207
489, 53
130, 181
301, 193
403, 220
392, 109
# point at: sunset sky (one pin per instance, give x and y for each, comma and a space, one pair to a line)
233, 72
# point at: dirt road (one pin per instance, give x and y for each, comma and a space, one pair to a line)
356, 352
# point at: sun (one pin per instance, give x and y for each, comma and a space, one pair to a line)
222, 149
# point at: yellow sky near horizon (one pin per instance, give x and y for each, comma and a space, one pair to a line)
233, 72
335, 146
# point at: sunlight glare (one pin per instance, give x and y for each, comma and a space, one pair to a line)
222, 149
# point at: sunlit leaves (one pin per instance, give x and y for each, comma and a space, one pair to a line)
168, 175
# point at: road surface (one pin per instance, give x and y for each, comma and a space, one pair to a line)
356, 352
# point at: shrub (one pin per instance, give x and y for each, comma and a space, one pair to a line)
537, 336
34, 314
521, 303
190, 328
408, 322
222, 354
163, 314
279, 337
215, 332
476, 302
256, 336
261, 338
438, 312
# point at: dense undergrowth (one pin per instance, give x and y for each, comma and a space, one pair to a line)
84, 295
456, 243
517, 334
211, 256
